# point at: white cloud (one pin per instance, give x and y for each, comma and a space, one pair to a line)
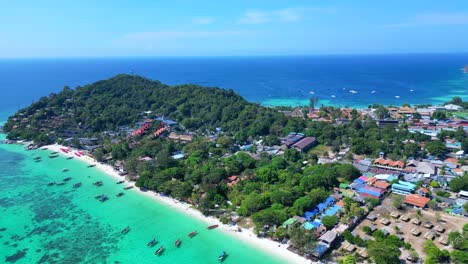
433, 19
203, 20
254, 17
281, 15
174, 34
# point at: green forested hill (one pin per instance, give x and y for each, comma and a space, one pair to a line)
118, 101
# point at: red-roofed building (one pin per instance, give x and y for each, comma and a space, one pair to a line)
416, 200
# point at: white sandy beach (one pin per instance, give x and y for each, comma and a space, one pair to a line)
246, 235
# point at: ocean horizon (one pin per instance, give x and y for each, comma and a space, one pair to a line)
336, 80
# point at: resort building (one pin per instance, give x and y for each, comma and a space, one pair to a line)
304, 144
390, 164
416, 200
180, 138
326, 241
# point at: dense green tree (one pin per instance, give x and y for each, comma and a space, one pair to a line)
439, 115
459, 183
329, 221
436, 148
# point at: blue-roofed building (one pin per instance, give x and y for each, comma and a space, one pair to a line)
330, 200
369, 193
321, 207
308, 225
245, 147
332, 210
403, 187
326, 241
310, 214
167, 122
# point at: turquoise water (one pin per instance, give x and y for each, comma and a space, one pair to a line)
60, 224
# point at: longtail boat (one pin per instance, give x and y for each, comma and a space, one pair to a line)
64, 170
53, 156
67, 179
98, 183
178, 242
61, 183
91, 165
128, 187
125, 230
69, 158
51, 183
120, 182
76, 185
37, 158
119, 194
99, 196
212, 227
103, 198
194, 233
159, 251
151, 243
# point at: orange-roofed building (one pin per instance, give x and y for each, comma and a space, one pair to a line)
232, 180
416, 200
382, 185
371, 180
451, 160
340, 203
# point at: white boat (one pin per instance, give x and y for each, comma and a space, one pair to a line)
397, 96
64, 170
312, 92
333, 96
373, 92
353, 91
411, 90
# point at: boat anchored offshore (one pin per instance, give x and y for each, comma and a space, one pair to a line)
178, 242
119, 194
125, 230
98, 183
159, 251
194, 233
128, 187
151, 243
103, 198
212, 227
64, 170
77, 185
120, 182
91, 165
222, 256
67, 179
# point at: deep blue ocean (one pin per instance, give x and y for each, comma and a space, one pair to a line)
415, 79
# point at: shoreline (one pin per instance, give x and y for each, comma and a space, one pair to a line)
246, 235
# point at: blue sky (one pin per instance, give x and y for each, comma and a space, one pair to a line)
107, 28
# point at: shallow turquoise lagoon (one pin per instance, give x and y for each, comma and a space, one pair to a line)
61, 224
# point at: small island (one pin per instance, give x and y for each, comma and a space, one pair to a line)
313, 180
